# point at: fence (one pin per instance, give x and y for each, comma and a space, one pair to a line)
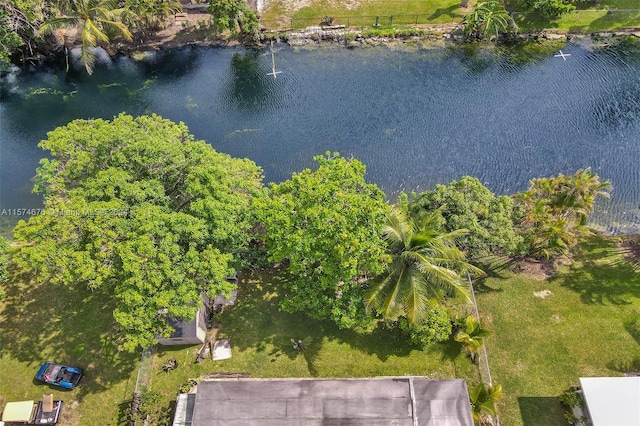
582, 20
363, 21
483, 358
144, 371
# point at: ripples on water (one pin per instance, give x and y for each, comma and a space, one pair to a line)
414, 116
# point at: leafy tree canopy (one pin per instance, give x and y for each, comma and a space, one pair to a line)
555, 211
235, 16
549, 9
9, 38
435, 328
138, 209
4, 259
326, 223
468, 204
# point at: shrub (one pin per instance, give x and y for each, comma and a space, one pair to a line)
437, 327
468, 204
571, 398
548, 9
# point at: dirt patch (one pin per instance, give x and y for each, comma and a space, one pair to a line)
542, 294
534, 269
630, 246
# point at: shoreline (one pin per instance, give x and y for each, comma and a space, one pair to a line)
192, 27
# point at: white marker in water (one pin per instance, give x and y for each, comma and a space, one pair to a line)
562, 55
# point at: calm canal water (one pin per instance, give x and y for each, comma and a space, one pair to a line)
415, 116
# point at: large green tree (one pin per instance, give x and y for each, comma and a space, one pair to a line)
235, 16
468, 204
555, 211
9, 38
137, 209
426, 266
149, 15
549, 9
326, 225
4, 260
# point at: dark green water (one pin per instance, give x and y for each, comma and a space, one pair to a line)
414, 116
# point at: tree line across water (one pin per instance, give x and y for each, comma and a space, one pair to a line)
29, 28
174, 218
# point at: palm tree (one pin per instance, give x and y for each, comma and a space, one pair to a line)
98, 20
471, 336
483, 400
488, 19
425, 266
555, 211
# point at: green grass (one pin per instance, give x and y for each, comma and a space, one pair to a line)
260, 337
539, 347
39, 323
603, 15
588, 326
363, 13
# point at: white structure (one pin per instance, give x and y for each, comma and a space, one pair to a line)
612, 401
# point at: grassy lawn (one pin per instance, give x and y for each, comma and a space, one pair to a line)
541, 346
281, 14
260, 337
39, 323
603, 15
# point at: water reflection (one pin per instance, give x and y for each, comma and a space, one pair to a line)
249, 86
415, 117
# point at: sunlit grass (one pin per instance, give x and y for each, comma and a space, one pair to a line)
363, 13
39, 323
604, 15
538, 346
541, 346
261, 336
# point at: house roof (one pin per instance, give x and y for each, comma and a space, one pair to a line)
184, 328
401, 401
612, 401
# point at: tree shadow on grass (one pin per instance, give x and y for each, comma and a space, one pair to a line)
41, 322
613, 19
449, 11
540, 410
600, 274
256, 322
629, 366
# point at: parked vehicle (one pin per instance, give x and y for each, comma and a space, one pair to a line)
59, 375
45, 412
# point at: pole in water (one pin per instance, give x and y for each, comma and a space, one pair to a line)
562, 55
273, 64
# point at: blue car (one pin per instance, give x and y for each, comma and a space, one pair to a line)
62, 376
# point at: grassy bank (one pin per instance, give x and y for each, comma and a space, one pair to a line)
261, 336
607, 15
40, 323
546, 333
540, 345
282, 14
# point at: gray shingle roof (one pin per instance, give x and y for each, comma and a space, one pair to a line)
372, 402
